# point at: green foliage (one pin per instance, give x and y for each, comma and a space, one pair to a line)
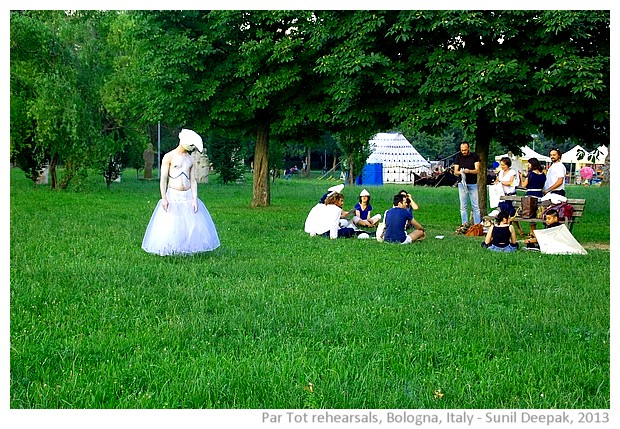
112, 169
520, 69
434, 147
59, 63
227, 156
497, 76
356, 151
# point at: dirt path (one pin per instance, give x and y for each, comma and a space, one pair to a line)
596, 246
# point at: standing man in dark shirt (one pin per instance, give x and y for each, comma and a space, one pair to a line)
468, 163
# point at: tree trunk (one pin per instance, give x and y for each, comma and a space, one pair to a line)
68, 176
605, 178
261, 193
484, 134
308, 157
52, 173
351, 179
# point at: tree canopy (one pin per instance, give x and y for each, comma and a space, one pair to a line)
280, 76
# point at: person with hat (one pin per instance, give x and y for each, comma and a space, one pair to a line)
331, 190
362, 212
345, 214
324, 219
180, 224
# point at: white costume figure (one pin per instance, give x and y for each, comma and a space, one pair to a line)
180, 224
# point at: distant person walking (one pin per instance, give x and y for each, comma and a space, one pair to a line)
467, 164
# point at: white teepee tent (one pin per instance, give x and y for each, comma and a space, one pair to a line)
399, 158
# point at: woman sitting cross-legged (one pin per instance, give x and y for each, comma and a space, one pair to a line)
362, 212
501, 237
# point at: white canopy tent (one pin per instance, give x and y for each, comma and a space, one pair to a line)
578, 157
572, 157
602, 153
519, 162
399, 158
531, 153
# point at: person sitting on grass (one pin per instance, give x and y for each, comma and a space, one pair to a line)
345, 214
324, 219
396, 219
501, 237
412, 206
362, 212
551, 221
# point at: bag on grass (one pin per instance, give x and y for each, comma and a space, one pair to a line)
462, 229
542, 206
475, 230
528, 207
381, 228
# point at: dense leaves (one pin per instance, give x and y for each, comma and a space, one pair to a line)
60, 62
290, 77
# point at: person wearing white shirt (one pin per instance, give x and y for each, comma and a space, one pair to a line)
507, 176
324, 219
555, 174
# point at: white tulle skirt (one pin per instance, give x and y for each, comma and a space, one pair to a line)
180, 231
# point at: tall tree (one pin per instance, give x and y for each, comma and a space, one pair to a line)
245, 70
506, 75
59, 63
361, 73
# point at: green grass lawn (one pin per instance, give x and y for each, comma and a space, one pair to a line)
96, 322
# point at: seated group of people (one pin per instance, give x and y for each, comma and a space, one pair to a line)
328, 218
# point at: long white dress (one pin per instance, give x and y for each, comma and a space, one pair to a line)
180, 231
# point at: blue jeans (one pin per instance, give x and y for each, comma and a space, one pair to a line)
472, 193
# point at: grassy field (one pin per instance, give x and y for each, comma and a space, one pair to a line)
275, 319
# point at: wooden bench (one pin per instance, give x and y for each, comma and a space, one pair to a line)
579, 206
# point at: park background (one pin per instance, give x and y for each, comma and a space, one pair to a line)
274, 319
